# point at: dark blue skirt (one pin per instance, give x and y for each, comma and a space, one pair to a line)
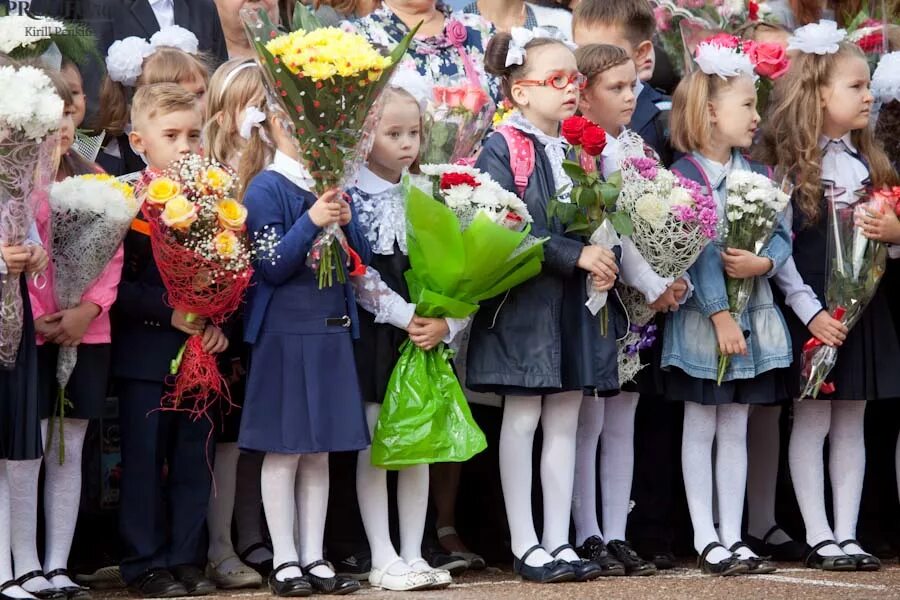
87, 386
765, 388
302, 393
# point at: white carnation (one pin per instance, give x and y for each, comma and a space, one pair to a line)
22, 31
125, 59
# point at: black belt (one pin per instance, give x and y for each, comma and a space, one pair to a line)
339, 322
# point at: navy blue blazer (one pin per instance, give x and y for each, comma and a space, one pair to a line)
651, 121
275, 202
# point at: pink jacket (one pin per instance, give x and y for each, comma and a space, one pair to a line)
101, 292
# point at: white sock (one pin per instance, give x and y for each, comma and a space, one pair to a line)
521, 415
584, 495
731, 470
764, 444
812, 420
279, 473
221, 508
371, 489
312, 505
696, 465
559, 422
62, 496
847, 466
6, 572
412, 506
617, 463
248, 519
23, 488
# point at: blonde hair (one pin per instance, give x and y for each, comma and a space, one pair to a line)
151, 101
793, 126
596, 59
165, 65
690, 125
230, 92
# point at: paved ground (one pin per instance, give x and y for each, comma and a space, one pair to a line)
790, 582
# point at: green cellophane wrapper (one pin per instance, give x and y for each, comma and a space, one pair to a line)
425, 417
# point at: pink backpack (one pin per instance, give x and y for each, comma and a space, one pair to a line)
521, 156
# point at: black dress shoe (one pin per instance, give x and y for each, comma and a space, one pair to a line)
730, 566
814, 560
554, 572
336, 585
293, 587
864, 562
789, 551
76, 592
663, 561
264, 568
634, 564
47, 594
757, 565
594, 550
157, 583
585, 570
194, 580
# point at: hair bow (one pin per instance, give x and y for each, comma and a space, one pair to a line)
125, 57
820, 38
714, 59
253, 117
521, 37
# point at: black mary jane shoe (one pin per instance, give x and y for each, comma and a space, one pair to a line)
726, 568
5, 586
594, 550
335, 585
293, 587
789, 551
635, 566
264, 568
557, 571
814, 560
758, 565
864, 562
75, 592
47, 594
585, 570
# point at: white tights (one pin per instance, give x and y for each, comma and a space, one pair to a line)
842, 421
558, 416
6, 571
412, 505
727, 426
610, 422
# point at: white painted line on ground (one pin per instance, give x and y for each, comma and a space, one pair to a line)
821, 582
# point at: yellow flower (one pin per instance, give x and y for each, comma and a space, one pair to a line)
326, 52
161, 190
217, 179
232, 214
179, 213
226, 244
123, 188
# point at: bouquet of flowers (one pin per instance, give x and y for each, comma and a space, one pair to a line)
457, 118
752, 209
856, 265
30, 112
468, 240
327, 81
90, 215
672, 221
590, 209
24, 37
201, 249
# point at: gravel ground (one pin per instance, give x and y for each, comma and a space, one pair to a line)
790, 581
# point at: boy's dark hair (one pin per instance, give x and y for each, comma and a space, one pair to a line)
634, 16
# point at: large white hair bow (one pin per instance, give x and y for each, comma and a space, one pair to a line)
886, 79
521, 37
820, 38
125, 58
725, 62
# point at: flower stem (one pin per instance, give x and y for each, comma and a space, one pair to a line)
175, 363
723, 366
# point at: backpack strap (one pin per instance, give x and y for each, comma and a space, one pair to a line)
521, 156
700, 172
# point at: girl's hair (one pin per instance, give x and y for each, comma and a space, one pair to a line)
165, 65
806, 11
690, 125
230, 92
792, 127
595, 59
495, 60
71, 163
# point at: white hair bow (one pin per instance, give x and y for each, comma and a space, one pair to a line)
714, 59
820, 38
253, 117
521, 37
125, 57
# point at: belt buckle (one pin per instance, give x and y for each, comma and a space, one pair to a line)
345, 322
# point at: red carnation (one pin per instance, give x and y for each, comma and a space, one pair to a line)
872, 42
753, 10
573, 129
449, 180
593, 140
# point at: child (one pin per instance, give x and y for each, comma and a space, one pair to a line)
171, 56
379, 200
608, 101
162, 555
303, 399
818, 129
714, 119
630, 25
539, 345
234, 89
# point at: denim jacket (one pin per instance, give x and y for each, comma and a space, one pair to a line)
690, 342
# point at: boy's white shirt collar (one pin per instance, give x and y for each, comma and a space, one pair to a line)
370, 183
638, 88
164, 10
293, 170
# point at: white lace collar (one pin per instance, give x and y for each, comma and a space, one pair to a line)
554, 147
380, 208
843, 173
293, 170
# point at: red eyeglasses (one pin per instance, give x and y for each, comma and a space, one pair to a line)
558, 81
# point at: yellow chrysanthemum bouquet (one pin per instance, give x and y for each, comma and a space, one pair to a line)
327, 81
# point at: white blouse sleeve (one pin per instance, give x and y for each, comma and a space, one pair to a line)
376, 297
637, 273
797, 294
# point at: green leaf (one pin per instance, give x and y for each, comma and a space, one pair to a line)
304, 19
575, 171
586, 198
578, 228
621, 222
615, 179
565, 212
610, 195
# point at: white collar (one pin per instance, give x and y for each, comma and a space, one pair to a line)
293, 170
161, 3
370, 183
846, 138
638, 88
